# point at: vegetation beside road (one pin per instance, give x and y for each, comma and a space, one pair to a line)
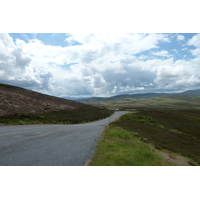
176, 130
22, 106
83, 114
174, 134
118, 147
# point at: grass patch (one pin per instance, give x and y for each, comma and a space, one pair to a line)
118, 147
142, 119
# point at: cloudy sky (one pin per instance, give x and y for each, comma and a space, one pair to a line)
92, 64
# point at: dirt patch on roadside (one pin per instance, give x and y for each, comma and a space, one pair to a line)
175, 158
87, 162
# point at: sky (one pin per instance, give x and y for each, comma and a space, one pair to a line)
100, 64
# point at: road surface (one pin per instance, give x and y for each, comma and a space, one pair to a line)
50, 145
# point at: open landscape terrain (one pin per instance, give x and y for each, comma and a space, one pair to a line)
21, 106
186, 100
160, 129
169, 125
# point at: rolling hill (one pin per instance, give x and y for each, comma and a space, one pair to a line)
139, 96
16, 100
21, 105
189, 99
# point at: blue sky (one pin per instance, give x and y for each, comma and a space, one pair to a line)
54, 39
100, 64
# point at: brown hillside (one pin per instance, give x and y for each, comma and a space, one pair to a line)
18, 100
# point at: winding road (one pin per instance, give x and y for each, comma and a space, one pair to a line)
51, 145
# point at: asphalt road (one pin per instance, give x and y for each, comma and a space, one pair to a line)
50, 145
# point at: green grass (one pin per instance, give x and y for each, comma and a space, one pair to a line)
142, 119
118, 147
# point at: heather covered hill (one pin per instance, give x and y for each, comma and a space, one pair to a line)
22, 106
18, 100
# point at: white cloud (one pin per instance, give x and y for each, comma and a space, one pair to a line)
175, 50
195, 40
177, 76
100, 64
162, 53
184, 49
180, 37
113, 45
16, 65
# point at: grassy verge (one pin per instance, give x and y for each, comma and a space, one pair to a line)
172, 130
81, 115
118, 147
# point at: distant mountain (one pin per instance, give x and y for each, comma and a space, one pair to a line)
92, 99
192, 92
70, 98
138, 96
